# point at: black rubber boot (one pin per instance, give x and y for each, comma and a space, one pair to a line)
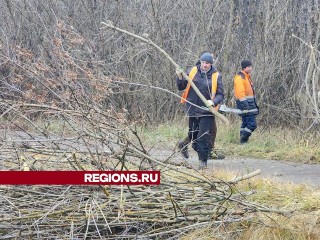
203, 159
244, 139
202, 165
183, 146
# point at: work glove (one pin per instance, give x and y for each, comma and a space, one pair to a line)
245, 111
210, 103
179, 72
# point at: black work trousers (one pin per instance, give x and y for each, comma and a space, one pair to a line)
200, 135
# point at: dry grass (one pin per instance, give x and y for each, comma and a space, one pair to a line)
281, 144
252, 209
302, 224
271, 143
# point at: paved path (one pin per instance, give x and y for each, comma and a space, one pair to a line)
277, 170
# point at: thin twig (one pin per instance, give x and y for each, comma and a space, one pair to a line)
147, 40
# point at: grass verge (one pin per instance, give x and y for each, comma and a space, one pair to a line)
271, 143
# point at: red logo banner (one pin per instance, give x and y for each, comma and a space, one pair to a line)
80, 177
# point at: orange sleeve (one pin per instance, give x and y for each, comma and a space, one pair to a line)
239, 89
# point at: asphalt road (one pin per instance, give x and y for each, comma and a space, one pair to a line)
285, 171
297, 173
276, 170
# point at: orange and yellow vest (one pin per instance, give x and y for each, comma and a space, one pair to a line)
192, 73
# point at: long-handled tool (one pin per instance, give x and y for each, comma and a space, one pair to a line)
225, 109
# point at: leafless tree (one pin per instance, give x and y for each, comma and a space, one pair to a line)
280, 37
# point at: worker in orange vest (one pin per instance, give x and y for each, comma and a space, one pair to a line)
246, 100
184, 143
209, 83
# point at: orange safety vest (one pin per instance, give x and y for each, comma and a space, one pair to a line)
243, 87
192, 73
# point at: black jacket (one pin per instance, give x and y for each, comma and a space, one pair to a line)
203, 81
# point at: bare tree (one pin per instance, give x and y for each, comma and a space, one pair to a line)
280, 37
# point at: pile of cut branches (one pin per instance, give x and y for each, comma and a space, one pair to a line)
66, 117
94, 139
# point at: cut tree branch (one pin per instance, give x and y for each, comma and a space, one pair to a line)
147, 40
